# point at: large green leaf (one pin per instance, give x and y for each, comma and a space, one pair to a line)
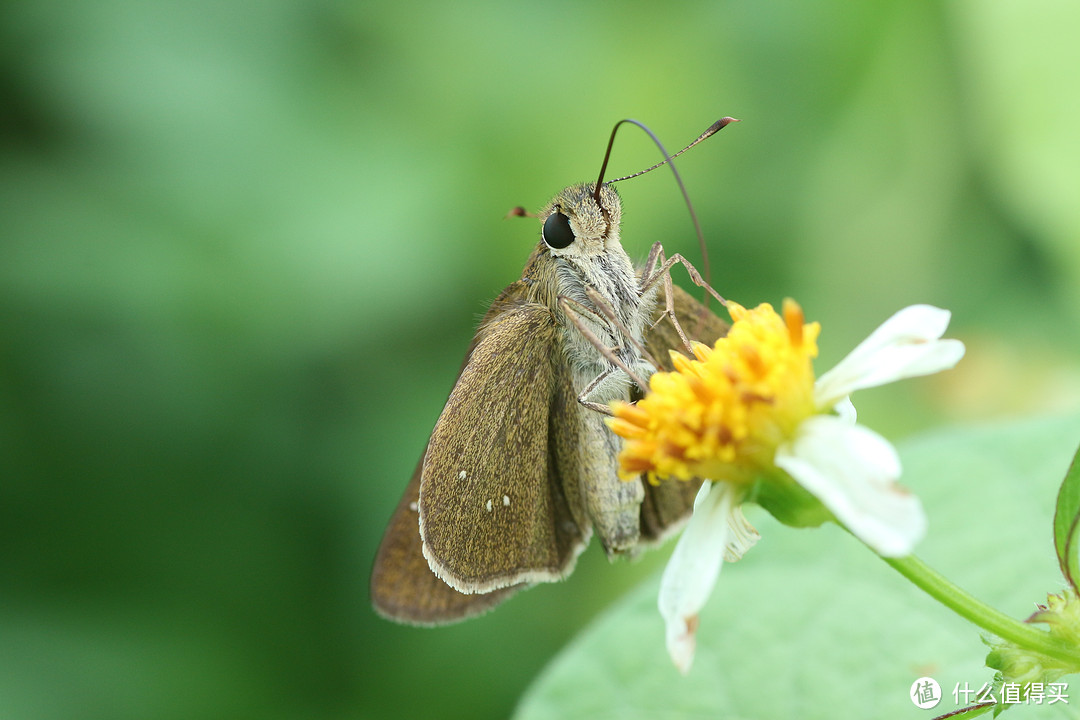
1067, 522
810, 624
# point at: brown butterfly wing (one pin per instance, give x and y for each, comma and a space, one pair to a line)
668, 505
492, 509
403, 587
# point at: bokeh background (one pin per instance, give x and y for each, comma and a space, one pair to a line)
243, 246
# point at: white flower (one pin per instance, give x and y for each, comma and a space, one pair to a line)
783, 422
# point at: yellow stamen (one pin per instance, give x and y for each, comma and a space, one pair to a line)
722, 413
794, 318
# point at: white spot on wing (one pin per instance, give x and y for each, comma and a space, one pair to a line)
506, 501
489, 506
462, 475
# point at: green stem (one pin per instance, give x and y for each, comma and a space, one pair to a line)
959, 601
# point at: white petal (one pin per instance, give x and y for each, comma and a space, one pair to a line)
703, 492
846, 411
692, 571
852, 471
906, 345
742, 537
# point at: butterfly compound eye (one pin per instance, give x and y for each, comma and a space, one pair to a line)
557, 231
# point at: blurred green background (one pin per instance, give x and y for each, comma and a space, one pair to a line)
243, 246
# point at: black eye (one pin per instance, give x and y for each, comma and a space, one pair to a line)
557, 231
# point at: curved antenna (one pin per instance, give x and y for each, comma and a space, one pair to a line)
712, 130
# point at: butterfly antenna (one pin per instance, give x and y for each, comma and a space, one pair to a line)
712, 130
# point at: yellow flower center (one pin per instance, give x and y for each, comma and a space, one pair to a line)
723, 414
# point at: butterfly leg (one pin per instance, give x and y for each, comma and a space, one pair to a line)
609, 354
590, 390
656, 270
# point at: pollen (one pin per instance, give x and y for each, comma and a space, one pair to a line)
722, 413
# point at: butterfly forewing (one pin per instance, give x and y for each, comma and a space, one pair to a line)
492, 513
403, 588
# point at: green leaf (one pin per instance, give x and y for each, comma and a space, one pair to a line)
810, 624
1067, 522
